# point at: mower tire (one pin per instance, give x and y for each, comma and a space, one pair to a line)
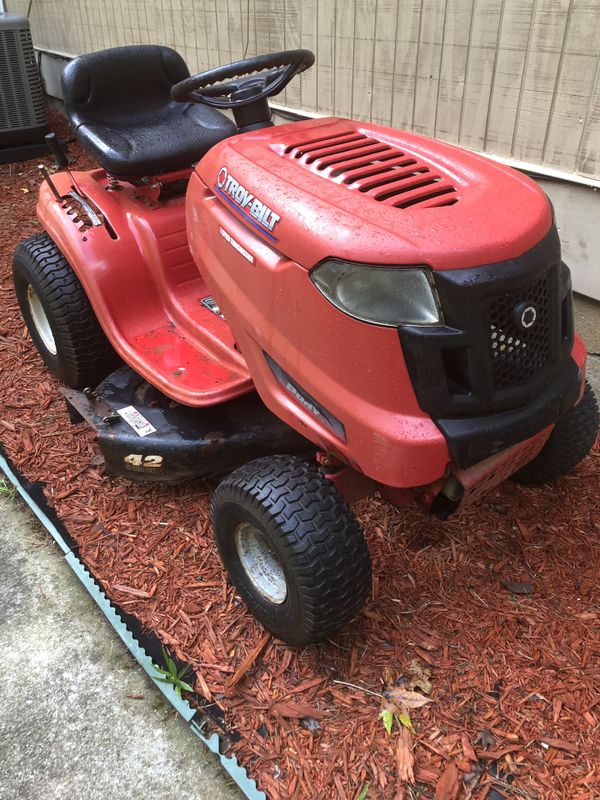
292, 547
571, 440
58, 314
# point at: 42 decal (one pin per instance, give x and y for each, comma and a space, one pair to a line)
135, 461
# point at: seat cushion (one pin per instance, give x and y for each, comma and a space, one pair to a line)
118, 102
170, 140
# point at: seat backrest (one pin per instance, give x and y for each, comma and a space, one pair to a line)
120, 84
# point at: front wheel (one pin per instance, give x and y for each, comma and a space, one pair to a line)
571, 440
292, 547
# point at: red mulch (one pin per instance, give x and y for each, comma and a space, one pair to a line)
515, 678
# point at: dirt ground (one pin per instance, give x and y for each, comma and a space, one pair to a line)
497, 609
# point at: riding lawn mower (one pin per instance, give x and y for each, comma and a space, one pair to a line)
314, 312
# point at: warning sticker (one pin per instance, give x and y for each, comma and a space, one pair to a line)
138, 422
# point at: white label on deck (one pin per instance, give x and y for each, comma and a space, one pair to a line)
138, 422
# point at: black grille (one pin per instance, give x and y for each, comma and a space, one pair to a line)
517, 353
485, 359
487, 379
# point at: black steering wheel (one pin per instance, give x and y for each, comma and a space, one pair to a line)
243, 82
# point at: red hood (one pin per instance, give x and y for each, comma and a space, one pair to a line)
334, 187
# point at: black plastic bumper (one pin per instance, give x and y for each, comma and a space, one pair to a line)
473, 439
481, 361
186, 442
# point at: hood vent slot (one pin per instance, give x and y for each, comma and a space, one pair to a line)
375, 168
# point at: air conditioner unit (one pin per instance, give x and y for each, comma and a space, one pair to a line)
22, 107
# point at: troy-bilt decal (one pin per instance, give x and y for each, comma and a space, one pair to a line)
138, 422
236, 245
246, 203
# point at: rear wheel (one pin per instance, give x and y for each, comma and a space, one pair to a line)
60, 319
292, 547
571, 440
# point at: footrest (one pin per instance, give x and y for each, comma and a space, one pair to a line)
187, 371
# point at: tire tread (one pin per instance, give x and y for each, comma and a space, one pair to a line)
85, 354
322, 538
571, 440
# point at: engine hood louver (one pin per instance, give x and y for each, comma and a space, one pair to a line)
375, 168
369, 194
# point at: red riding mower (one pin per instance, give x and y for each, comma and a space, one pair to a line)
318, 310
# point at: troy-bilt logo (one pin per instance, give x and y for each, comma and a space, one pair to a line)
250, 206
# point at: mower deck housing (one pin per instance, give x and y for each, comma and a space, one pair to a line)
145, 436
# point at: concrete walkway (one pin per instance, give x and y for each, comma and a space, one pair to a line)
67, 727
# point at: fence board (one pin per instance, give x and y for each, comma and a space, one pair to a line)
516, 78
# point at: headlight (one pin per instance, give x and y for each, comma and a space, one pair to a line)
389, 296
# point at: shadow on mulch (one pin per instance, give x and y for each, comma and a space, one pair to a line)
515, 676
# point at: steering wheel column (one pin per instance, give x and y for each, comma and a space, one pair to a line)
255, 115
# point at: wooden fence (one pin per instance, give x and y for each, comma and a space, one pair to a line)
514, 78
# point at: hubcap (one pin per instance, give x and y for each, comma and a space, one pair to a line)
40, 320
260, 563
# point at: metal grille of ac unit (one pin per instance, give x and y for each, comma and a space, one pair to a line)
21, 95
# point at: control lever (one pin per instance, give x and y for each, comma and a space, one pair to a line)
55, 147
62, 162
45, 176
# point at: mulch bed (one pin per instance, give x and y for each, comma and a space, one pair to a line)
515, 677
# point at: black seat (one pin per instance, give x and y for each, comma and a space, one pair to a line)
118, 102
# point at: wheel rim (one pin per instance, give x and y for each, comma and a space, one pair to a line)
40, 320
260, 563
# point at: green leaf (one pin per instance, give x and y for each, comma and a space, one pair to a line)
363, 792
171, 667
388, 719
172, 676
161, 671
405, 720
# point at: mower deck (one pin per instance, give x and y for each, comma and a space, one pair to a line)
145, 436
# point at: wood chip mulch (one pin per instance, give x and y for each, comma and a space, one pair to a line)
515, 673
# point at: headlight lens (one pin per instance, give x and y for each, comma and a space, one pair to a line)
380, 295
